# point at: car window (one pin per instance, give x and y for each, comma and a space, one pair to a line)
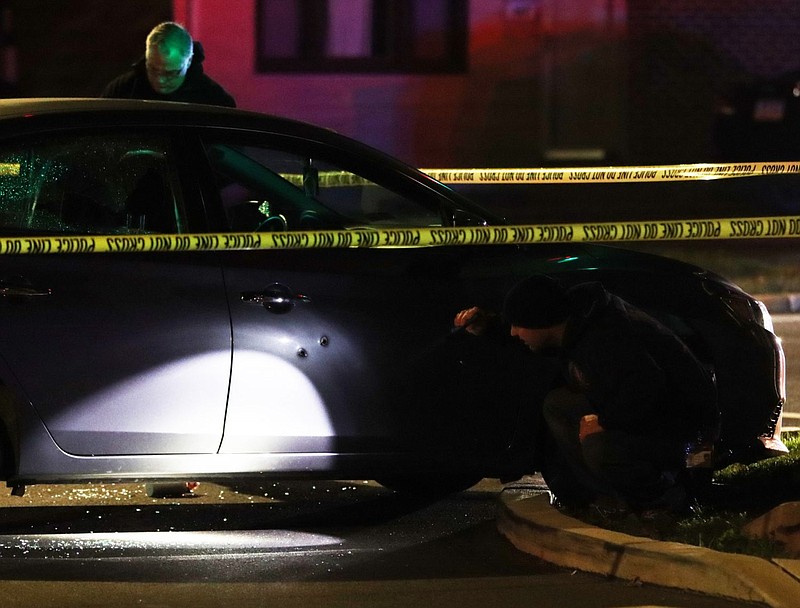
273, 190
89, 185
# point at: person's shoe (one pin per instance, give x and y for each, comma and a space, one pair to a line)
568, 506
610, 507
674, 500
574, 500
605, 511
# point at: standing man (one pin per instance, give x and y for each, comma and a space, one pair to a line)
632, 396
171, 70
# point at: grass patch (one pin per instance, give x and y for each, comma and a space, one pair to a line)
722, 532
740, 493
763, 475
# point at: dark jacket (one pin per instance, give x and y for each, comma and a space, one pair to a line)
637, 374
196, 88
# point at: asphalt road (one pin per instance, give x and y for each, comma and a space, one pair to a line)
326, 543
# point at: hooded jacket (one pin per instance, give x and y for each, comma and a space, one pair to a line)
637, 374
197, 87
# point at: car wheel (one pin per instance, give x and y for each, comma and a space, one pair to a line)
429, 486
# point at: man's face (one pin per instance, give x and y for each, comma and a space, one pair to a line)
535, 339
166, 69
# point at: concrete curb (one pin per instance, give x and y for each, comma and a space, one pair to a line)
535, 527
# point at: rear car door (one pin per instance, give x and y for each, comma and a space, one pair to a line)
117, 353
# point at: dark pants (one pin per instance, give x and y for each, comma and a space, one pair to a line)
640, 470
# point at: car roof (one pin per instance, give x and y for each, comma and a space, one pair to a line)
26, 105
138, 110
37, 105
29, 115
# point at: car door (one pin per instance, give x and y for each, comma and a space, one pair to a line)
350, 351
116, 353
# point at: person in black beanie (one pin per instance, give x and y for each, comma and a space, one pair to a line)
633, 395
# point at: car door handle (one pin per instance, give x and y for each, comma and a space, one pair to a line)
276, 298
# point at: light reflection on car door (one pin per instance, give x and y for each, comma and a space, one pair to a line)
362, 358
129, 354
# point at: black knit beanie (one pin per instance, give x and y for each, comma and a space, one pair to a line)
536, 302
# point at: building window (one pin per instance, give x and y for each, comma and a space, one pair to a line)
361, 35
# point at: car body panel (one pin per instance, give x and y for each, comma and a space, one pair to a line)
159, 386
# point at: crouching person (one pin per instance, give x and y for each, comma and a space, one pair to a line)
633, 396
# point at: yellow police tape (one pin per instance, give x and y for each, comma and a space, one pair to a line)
668, 230
574, 175
607, 175
10, 169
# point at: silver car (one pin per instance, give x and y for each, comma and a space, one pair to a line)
214, 365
